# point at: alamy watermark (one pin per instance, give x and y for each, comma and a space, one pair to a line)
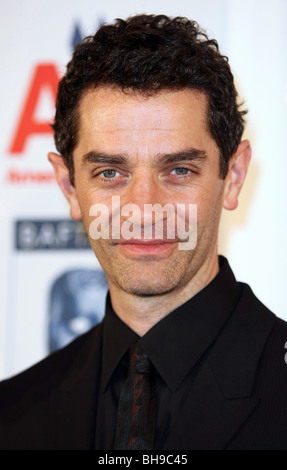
175, 222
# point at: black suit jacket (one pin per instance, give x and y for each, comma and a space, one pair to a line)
239, 395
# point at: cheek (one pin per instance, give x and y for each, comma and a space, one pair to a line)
87, 198
209, 207
85, 205
86, 201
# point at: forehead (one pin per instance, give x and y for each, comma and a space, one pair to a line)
166, 120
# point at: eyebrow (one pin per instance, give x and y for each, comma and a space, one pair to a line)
99, 157
163, 159
186, 155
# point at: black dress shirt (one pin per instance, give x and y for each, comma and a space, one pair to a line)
176, 346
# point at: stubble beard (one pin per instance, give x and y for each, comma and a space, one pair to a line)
149, 277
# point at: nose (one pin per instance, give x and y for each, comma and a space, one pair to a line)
143, 189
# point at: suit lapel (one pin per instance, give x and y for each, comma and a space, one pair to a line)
235, 356
220, 400
73, 406
229, 376
211, 420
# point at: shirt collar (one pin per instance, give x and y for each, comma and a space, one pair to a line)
117, 338
176, 343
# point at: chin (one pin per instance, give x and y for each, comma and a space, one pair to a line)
148, 279
145, 289
146, 292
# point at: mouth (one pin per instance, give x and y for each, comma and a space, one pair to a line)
147, 247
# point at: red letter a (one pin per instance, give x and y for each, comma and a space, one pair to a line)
45, 76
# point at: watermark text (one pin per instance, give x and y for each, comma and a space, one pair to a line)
176, 222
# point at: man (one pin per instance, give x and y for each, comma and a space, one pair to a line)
147, 114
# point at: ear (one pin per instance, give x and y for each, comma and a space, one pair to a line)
63, 179
237, 171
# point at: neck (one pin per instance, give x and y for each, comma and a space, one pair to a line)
141, 313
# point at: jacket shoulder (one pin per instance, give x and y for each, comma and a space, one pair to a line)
49, 373
264, 317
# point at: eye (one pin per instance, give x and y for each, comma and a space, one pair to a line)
180, 171
109, 173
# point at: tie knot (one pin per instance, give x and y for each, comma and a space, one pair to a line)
139, 362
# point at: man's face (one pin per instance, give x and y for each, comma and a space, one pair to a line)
138, 148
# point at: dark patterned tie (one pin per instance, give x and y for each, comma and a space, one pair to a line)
136, 412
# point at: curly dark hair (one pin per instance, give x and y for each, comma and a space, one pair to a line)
148, 53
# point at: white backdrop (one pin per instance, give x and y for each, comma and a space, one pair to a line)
37, 40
